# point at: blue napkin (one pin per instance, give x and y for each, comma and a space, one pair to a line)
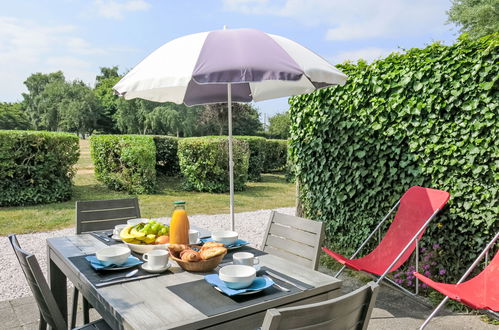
96, 264
237, 243
259, 283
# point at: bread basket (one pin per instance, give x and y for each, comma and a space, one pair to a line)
197, 266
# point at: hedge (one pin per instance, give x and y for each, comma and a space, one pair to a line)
36, 167
276, 154
204, 163
257, 156
166, 155
427, 117
125, 162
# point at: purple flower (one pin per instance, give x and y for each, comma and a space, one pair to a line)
423, 250
399, 281
424, 285
427, 273
442, 272
434, 263
408, 283
410, 277
436, 246
396, 275
426, 267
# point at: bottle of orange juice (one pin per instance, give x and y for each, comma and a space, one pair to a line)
179, 224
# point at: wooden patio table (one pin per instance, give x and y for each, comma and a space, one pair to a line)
149, 304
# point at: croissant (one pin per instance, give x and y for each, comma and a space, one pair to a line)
190, 256
212, 252
178, 247
211, 244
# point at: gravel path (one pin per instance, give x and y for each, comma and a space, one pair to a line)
249, 225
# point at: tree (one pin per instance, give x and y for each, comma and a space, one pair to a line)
131, 115
36, 84
105, 74
12, 117
79, 109
475, 17
163, 120
279, 125
244, 119
109, 103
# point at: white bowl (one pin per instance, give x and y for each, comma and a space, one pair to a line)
133, 222
144, 248
226, 237
113, 255
237, 276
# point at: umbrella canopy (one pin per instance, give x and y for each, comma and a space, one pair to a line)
240, 65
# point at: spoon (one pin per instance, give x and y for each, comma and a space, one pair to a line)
127, 275
277, 286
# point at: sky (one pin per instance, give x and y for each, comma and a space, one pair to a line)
80, 36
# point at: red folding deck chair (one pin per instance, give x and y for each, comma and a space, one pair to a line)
480, 292
417, 207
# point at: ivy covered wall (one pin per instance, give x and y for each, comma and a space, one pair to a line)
428, 117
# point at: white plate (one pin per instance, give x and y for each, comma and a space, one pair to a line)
240, 294
116, 238
154, 271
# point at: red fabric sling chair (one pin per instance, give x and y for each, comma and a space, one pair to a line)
417, 207
480, 292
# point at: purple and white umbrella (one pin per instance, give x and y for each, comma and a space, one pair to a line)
240, 65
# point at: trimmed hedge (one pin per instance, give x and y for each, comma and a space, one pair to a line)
276, 155
36, 167
257, 156
204, 163
166, 155
428, 117
125, 162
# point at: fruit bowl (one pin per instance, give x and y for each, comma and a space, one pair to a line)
144, 248
197, 266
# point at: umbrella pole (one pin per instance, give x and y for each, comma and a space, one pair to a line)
231, 162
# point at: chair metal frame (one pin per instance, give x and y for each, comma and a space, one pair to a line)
485, 253
414, 239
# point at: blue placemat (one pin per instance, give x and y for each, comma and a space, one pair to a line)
260, 283
97, 265
238, 243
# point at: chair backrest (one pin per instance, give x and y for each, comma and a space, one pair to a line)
417, 205
351, 311
39, 287
294, 238
105, 214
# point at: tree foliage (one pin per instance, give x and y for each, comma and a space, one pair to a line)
244, 119
279, 125
12, 117
478, 18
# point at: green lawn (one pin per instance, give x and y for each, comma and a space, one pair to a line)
272, 192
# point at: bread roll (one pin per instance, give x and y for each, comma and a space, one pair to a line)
178, 247
212, 252
190, 256
210, 244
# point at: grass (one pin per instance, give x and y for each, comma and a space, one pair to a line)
272, 192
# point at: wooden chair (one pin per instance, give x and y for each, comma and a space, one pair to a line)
351, 311
49, 311
294, 238
101, 215
105, 214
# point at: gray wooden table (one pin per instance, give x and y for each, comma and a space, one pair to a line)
148, 304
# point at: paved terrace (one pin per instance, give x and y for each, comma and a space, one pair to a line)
393, 310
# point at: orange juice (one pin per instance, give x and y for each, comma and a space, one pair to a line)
179, 224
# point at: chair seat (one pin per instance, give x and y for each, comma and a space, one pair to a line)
366, 264
480, 292
99, 324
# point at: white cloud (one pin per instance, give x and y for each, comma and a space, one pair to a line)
117, 9
368, 54
360, 19
27, 47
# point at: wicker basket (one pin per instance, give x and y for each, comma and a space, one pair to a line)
198, 266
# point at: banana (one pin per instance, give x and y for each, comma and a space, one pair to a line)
150, 239
138, 235
125, 234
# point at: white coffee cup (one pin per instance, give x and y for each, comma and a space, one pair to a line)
244, 258
156, 259
193, 236
118, 228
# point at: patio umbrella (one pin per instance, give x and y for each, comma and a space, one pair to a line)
240, 65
